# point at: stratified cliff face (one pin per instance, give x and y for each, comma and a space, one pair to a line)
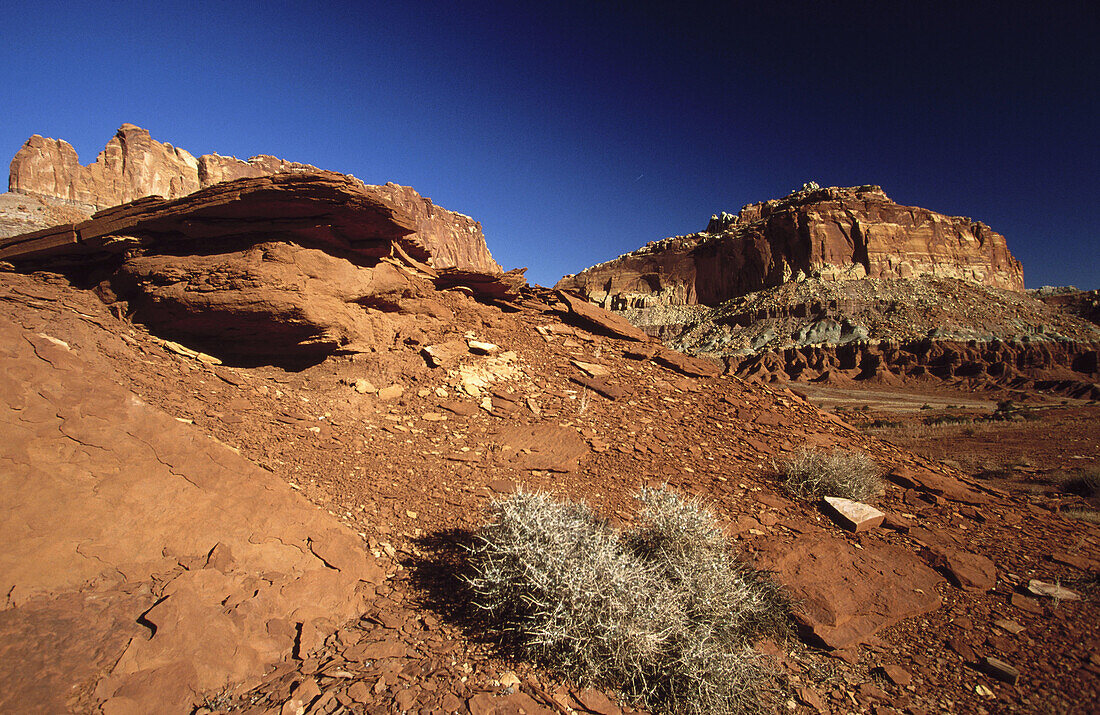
832, 233
134, 165
455, 240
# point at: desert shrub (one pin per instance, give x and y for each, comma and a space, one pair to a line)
662, 612
881, 424
811, 474
1090, 515
1085, 483
940, 420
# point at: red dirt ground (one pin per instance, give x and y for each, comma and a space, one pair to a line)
413, 486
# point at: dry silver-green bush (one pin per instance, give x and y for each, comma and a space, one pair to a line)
662, 612
811, 474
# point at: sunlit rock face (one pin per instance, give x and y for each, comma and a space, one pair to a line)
833, 233
133, 165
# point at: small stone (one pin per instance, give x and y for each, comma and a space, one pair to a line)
405, 699
1000, 670
1051, 590
509, 680
971, 572
963, 649
433, 417
301, 698
898, 522
1026, 604
591, 369
809, 696
1011, 626
480, 348
855, 515
983, 691
423, 392
391, 393
871, 691
897, 675
360, 693
364, 387
595, 701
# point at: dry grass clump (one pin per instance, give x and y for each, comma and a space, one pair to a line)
662, 612
811, 474
1090, 515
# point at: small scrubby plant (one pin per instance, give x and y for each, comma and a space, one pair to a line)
663, 611
1085, 483
811, 474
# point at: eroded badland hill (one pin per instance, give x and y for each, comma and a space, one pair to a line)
251, 426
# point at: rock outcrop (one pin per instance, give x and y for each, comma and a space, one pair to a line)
834, 233
150, 563
292, 266
134, 165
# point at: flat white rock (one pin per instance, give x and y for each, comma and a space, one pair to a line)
1051, 590
855, 515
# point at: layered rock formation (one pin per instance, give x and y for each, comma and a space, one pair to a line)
134, 165
889, 331
833, 233
284, 267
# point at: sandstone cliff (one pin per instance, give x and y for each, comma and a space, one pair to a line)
134, 165
292, 266
833, 233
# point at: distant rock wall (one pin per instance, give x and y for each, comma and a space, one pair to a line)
832, 233
134, 165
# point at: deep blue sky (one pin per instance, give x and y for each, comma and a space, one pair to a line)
581, 131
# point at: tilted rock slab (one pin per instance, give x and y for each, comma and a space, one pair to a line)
146, 565
844, 594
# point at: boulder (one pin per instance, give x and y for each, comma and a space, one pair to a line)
178, 567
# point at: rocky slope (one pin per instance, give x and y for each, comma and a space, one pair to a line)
167, 493
1081, 303
835, 234
134, 165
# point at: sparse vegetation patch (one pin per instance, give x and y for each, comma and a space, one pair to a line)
811, 474
663, 611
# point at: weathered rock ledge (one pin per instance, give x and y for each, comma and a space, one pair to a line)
134, 166
292, 266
